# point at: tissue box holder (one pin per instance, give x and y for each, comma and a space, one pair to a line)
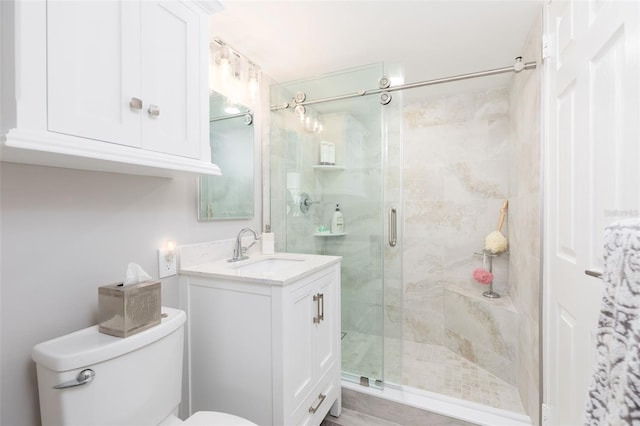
126, 310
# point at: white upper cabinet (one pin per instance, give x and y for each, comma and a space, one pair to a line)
169, 82
117, 86
93, 70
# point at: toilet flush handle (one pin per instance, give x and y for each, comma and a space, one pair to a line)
84, 377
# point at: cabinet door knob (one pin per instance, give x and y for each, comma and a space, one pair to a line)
153, 110
135, 103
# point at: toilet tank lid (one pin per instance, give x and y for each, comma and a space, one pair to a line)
88, 346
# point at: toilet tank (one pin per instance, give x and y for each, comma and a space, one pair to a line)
138, 379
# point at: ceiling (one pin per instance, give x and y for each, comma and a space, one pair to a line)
297, 39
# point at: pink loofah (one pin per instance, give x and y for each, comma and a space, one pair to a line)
482, 276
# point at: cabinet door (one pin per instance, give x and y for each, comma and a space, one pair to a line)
326, 351
93, 69
170, 78
298, 348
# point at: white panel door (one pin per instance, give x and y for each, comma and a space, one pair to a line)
93, 69
592, 174
170, 66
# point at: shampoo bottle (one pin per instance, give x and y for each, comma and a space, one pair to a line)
337, 221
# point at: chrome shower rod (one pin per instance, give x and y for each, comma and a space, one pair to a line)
513, 68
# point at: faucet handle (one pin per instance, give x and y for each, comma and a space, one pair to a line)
244, 249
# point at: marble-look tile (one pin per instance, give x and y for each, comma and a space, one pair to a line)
525, 178
393, 360
456, 177
424, 183
362, 354
476, 180
428, 367
485, 325
396, 412
424, 317
487, 359
437, 369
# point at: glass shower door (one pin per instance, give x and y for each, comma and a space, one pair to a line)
305, 192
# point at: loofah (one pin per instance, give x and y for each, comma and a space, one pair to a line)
482, 276
495, 242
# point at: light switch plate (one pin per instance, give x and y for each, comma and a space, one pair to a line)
167, 265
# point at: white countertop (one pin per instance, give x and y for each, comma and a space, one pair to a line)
300, 265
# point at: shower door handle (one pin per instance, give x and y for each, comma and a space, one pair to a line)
393, 227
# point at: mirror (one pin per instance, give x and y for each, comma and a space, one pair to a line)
230, 196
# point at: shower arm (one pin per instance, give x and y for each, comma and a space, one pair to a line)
517, 67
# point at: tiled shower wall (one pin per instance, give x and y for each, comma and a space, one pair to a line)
464, 154
456, 178
525, 210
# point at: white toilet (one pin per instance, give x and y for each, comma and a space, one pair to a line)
89, 378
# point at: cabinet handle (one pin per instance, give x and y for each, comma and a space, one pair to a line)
153, 110
135, 103
316, 298
313, 409
321, 314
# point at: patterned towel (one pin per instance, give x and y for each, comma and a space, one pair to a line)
614, 394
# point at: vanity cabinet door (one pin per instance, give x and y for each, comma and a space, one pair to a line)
299, 364
311, 345
93, 70
326, 350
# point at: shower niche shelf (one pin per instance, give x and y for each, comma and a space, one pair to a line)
329, 234
328, 168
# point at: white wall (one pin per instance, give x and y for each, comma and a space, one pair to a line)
66, 232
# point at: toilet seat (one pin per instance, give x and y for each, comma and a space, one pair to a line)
214, 418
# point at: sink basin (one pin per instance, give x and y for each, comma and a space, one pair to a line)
268, 265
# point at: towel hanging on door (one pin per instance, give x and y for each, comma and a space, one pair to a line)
614, 394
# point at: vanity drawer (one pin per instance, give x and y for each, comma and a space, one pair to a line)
319, 401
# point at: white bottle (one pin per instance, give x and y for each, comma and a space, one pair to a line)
324, 153
268, 241
337, 221
332, 154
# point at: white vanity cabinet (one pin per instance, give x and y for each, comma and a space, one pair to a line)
117, 85
266, 351
310, 343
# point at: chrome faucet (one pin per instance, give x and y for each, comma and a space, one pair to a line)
239, 251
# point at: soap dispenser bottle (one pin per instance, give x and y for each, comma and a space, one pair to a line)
268, 241
337, 221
